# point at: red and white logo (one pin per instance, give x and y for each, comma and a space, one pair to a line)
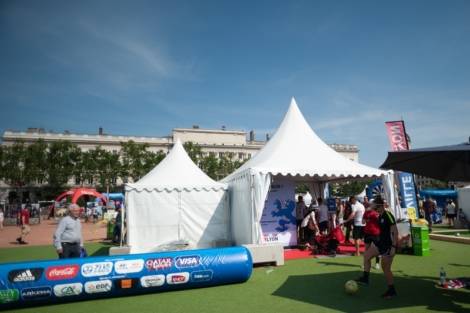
62, 272
177, 278
158, 263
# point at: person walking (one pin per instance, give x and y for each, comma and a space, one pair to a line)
322, 216
450, 212
2, 218
429, 208
68, 239
24, 226
385, 247
300, 212
356, 216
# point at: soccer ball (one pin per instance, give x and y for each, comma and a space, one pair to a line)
351, 287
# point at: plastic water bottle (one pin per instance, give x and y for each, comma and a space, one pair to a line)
442, 277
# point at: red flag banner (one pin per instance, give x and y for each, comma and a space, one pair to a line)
396, 135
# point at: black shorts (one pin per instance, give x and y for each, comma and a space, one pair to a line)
358, 232
371, 239
384, 249
323, 226
451, 215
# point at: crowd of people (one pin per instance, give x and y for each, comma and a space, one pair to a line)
348, 216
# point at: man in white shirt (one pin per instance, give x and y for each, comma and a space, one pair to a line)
356, 215
451, 212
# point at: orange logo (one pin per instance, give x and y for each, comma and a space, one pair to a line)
126, 283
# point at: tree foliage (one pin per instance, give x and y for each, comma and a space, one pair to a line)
53, 165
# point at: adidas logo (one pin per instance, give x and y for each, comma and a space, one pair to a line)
24, 276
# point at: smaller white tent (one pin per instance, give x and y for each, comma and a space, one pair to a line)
176, 201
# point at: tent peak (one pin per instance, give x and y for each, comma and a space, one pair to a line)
293, 103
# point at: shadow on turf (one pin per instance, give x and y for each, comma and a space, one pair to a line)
459, 265
327, 290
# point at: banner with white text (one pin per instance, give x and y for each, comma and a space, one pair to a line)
399, 142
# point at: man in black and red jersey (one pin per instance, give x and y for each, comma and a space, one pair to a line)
372, 229
385, 247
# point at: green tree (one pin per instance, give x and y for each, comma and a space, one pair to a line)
35, 162
13, 168
151, 159
348, 188
194, 151
61, 159
136, 160
210, 166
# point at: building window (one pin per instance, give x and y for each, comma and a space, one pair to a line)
90, 181
249, 155
221, 154
212, 154
77, 180
241, 155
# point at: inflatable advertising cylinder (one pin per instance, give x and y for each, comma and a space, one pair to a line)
53, 281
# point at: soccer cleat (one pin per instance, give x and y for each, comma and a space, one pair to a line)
362, 280
390, 293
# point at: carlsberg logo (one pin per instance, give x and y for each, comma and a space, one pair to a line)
187, 261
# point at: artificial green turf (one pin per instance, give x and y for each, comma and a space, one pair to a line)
26, 253
454, 233
312, 285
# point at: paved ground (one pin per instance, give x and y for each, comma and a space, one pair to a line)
42, 234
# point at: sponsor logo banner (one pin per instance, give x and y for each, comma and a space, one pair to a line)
66, 290
158, 263
36, 293
62, 272
9, 295
152, 281
97, 269
177, 278
200, 276
187, 261
25, 275
98, 286
129, 266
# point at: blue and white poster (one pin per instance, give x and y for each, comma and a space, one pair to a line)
278, 221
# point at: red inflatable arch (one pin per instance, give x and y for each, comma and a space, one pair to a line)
79, 192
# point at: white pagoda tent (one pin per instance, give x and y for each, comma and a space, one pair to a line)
297, 153
176, 202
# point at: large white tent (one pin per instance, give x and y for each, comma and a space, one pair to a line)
295, 151
176, 201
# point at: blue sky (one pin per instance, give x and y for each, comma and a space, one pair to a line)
145, 67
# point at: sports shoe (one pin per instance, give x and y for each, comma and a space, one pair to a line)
377, 266
390, 293
362, 280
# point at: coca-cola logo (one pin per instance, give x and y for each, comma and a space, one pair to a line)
62, 272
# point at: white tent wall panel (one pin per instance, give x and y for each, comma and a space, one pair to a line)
204, 217
152, 219
241, 214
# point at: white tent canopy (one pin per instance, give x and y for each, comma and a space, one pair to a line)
296, 151
176, 201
